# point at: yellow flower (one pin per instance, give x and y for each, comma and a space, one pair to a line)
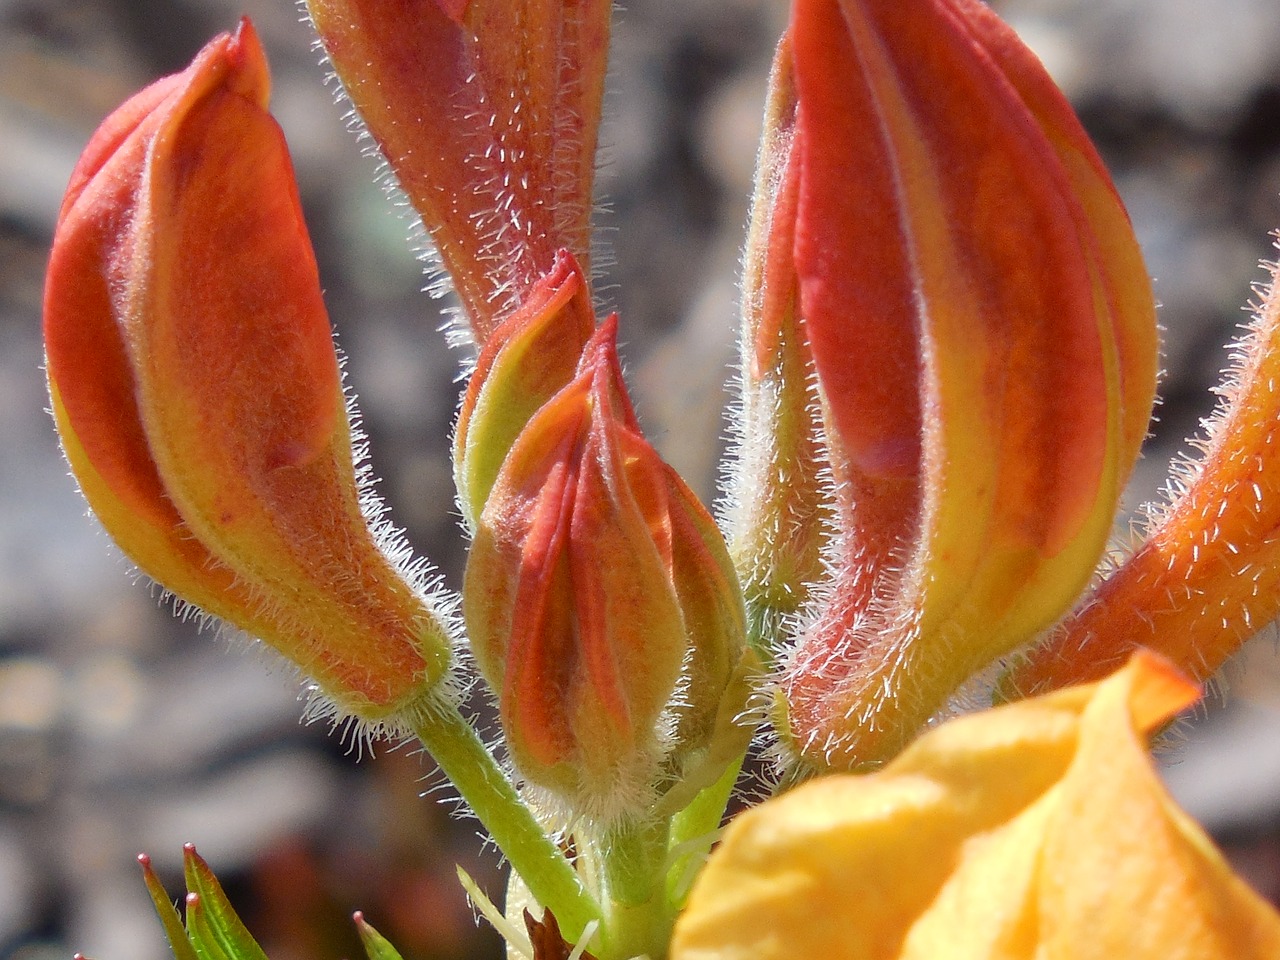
1035, 831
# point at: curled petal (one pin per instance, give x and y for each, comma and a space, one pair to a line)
983, 339
197, 389
1207, 577
1038, 830
487, 112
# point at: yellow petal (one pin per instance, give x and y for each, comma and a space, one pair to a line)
1036, 831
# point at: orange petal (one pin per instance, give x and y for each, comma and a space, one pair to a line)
1208, 575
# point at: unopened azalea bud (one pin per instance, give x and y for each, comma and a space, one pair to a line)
602, 607
487, 112
781, 501
529, 358
1033, 831
1207, 576
983, 342
198, 393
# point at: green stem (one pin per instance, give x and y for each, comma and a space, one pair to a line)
640, 918
454, 744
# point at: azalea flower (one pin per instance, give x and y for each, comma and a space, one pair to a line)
1036, 830
948, 365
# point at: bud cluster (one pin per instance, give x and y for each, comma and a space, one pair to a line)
948, 360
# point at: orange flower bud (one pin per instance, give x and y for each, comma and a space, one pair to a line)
1036, 830
602, 607
982, 338
1207, 577
529, 358
197, 389
487, 112
780, 516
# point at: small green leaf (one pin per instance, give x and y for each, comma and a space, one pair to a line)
216, 931
167, 912
375, 944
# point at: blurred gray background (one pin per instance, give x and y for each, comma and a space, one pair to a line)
121, 730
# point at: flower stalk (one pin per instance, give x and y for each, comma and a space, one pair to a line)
489, 793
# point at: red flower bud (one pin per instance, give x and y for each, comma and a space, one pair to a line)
602, 606
949, 276
487, 112
529, 358
197, 389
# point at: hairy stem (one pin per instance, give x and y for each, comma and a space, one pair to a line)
454, 744
640, 918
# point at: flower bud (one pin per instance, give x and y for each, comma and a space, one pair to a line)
529, 358
487, 112
780, 515
1036, 830
1207, 576
983, 343
197, 389
602, 607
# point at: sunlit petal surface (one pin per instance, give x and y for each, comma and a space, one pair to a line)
1037, 831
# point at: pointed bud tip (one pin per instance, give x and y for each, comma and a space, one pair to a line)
246, 61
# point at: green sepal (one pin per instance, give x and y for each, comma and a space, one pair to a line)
216, 932
202, 933
376, 945
167, 912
